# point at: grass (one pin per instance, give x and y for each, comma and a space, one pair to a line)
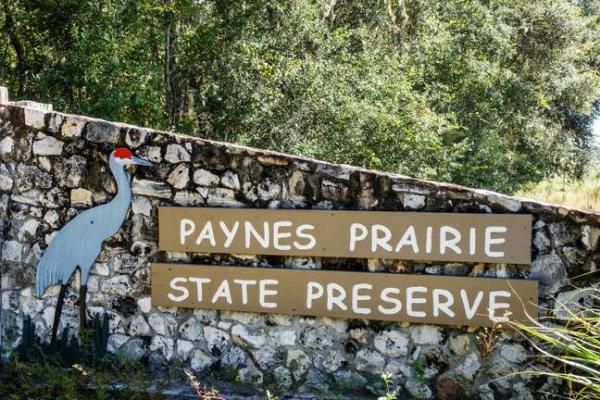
583, 194
47, 379
571, 345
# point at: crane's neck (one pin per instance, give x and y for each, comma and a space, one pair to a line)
120, 203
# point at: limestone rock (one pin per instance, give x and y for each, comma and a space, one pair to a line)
135, 137
316, 382
71, 171
203, 177
361, 335
561, 234
115, 342
460, 344
369, 361
6, 181
283, 378
54, 198
81, 198
350, 380
191, 329
318, 338
141, 205
426, 335
298, 363
250, 375
297, 185
56, 121
230, 180
267, 190
287, 337
44, 163
176, 154
28, 231
234, 358
514, 353
200, 361
183, 349
551, 273
590, 236
433, 269
448, 388
151, 153
418, 390
242, 337
93, 285
413, 201
219, 197
134, 349
164, 345
139, 326
180, 176
29, 177
217, 340
12, 251
52, 218
303, 262
103, 132
35, 118
189, 199
162, 323
144, 304
574, 255
456, 269
541, 241
264, 357
273, 160
124, 262
48, 146
6, 145
469, 367
331, 360
145, 187
507, 202
333, 191
578, 301
119, 285
392, 343
72, 127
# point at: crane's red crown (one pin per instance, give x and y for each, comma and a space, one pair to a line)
123, 152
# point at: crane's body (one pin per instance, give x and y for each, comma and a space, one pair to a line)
78, 243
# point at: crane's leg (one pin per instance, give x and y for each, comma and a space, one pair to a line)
82, 316
58, 311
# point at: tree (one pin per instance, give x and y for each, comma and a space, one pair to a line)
491, 93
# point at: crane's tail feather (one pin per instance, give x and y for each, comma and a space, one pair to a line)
48, 274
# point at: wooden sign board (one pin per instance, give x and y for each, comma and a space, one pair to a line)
392, 297
494, 238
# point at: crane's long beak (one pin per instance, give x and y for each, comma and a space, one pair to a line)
141, 161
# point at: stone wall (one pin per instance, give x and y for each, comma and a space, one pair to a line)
54, 165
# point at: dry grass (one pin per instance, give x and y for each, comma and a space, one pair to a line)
583, 194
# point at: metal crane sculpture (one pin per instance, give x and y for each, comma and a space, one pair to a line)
78, 243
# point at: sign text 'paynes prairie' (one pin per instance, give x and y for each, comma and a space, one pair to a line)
354, 234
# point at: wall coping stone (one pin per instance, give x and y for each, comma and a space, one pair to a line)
335, 171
